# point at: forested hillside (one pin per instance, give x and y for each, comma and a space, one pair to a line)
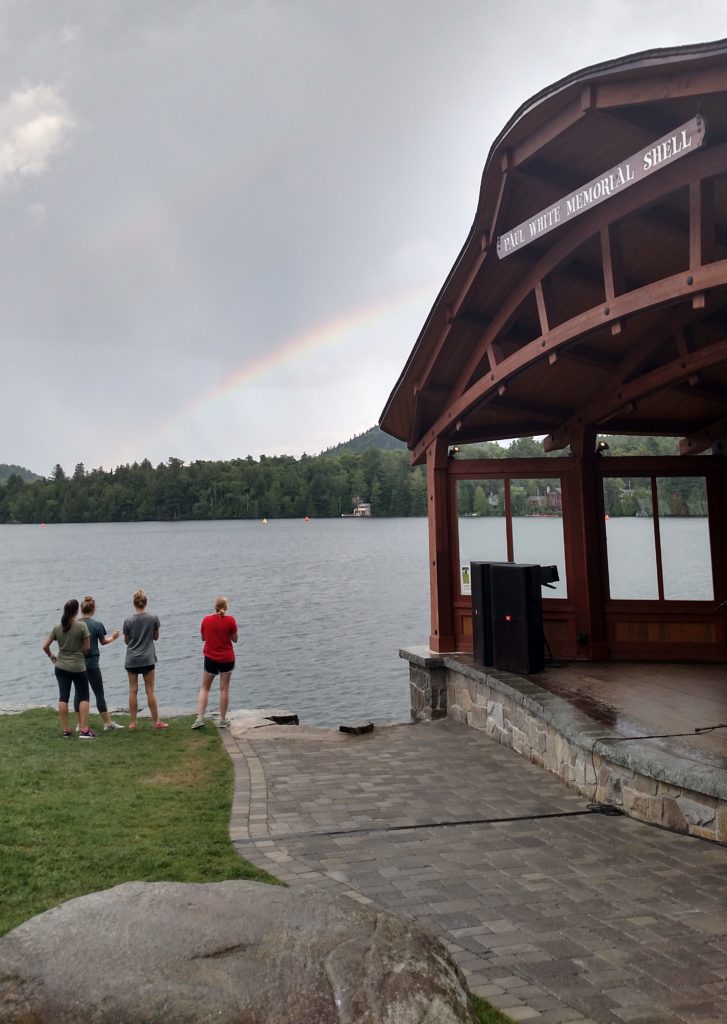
7, 471
281, 487
325, 485
373, 438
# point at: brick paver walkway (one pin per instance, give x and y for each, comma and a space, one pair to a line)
554, 913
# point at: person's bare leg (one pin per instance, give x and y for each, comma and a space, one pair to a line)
224, 693
204, 692
83, 709
133, 691
151, 696
63, 715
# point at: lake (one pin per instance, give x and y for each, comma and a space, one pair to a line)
323, 607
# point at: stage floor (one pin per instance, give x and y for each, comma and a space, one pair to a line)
639, 699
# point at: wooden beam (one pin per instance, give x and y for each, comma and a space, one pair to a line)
564, 119
704, 163
703, 439
684, 82
660, 293
442, 636
701, 223
629, 365
613, 272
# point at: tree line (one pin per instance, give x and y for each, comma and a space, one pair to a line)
322, 486
273, 487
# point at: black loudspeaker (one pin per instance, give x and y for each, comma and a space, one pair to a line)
482, 641
517, 618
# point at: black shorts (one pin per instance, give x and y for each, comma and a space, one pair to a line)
213, 667
141, 670
65, 678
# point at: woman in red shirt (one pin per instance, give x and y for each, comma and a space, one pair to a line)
219, 632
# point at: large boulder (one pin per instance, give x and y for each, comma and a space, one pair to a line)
239, 952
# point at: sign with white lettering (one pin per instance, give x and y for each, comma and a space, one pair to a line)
664, 151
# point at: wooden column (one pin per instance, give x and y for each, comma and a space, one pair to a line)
717, 504
441, 597
585, 549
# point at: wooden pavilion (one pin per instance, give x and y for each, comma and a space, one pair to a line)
589, 298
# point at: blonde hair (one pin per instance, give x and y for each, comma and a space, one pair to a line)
139, 599
221, 605
88, 605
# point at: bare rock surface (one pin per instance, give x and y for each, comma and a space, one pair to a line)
227, 952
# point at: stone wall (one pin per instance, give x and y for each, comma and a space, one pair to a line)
608, 768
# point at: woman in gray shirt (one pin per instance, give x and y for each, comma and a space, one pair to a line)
140, 631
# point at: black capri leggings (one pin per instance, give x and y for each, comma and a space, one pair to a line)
79, 680
95, 680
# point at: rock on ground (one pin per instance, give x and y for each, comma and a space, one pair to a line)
240, 952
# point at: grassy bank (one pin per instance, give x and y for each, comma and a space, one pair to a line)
79, 816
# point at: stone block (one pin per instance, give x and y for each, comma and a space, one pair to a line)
641, 805
672, 816
611, 783
699, 812
720, 821
667, 789
478, 718
496, 714
643, 784
702, 833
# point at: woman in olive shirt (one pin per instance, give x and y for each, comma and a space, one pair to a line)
73, 641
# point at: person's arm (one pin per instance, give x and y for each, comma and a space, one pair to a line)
233, 632
86, 645
46, 648
103, 640
156, 629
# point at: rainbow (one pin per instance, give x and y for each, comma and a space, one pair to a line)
339, 331
320, 337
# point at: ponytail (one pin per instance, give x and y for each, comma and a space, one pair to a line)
70, 611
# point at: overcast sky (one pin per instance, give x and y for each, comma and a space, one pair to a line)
223, 222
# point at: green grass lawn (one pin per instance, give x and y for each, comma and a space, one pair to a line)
77, 816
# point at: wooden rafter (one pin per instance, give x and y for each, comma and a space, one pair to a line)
703, 439
664, 376
704, 163
661, 293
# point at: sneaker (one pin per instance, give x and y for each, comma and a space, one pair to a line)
160, 725
111, 726
78, 728
67, 734
89, 734
224, 723
198, 724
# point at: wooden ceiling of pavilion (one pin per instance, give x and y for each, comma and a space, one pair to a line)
616, 320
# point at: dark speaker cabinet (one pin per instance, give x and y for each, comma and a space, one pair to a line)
516, 607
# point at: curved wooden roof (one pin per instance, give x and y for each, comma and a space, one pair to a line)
615, 319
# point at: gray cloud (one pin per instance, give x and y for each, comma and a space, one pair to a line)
222, 224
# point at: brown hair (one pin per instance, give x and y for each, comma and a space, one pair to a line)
221, 605
139, 599
70, 611
88, 605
